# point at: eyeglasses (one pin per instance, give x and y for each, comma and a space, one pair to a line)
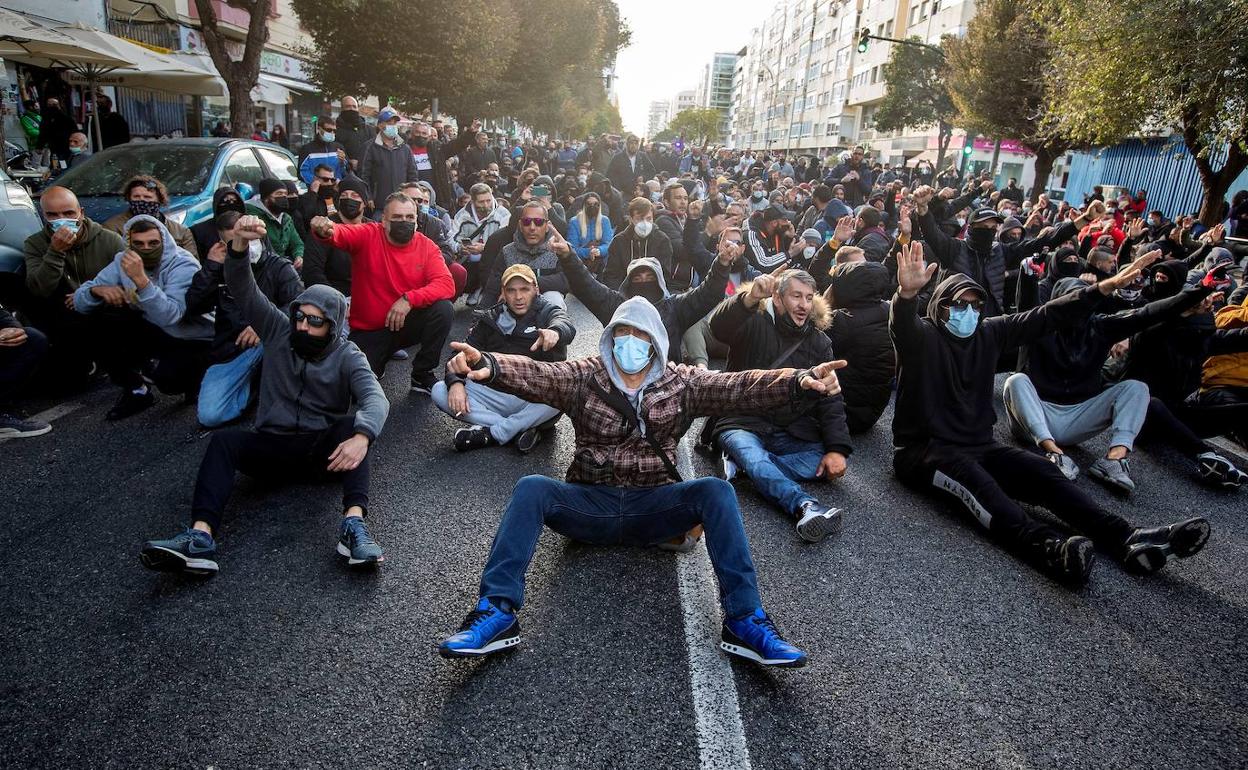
315, 321
325, 179
963, 304
533, 221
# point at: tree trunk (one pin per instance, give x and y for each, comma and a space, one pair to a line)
1216, 184
240, 107
1045, 158
944, 136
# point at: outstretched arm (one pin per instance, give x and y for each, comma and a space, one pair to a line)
757, 391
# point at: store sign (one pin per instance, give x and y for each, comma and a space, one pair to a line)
1007, 145
271, 62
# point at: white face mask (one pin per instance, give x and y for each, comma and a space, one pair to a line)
643, 228
809, 252
254, 251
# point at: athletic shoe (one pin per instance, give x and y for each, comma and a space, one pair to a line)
191, 551
755, 637
423, 382
1214, 469
355, 543
12, 426
476, 437
1116, 473
1068, 467
1069, 560
399, 355
816, 521
527, 440
131, 403
472, 299
730, 469
683, 544
487, 629
1148, 549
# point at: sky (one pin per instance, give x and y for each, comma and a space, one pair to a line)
672, 42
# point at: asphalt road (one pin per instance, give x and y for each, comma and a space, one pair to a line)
930, 647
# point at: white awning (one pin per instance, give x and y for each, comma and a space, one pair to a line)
289, 83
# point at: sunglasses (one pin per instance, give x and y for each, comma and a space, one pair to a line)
325, 179
315, 321
533, 221
963, 304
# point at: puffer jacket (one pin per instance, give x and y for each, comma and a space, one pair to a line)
859, 334
756, 337
1230, 370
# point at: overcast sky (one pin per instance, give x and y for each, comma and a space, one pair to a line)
672, 42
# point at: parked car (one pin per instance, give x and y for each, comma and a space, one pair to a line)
18, 221
190, 168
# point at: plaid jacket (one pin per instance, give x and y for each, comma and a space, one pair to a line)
608, 449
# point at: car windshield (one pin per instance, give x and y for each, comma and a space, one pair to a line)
184, 169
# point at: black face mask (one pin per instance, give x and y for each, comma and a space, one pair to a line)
592, 210
228, 204
306, 346
648, 290
350, 208
400, 231
279, 204
1069, 269
980, 238
419, 141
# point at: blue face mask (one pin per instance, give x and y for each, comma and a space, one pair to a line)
424, 209
631, 354
72, 224
962, 322
390, 131
328, 136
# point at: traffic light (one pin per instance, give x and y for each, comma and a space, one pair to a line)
967, 149
863, 40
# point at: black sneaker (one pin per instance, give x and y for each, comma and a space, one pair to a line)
476, 437
1148, 549
13, 426
423, 382
815, 521
130, 404
527, 440
1069, 560
1219, 471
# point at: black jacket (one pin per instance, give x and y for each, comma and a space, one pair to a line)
1065, 366
988, 270
384, 169
945, 385
627, 246
353, 134
755, 340
682, 265
485, 334
859, 334
472, 161
325, 264
678, 311
276, 278
622, 177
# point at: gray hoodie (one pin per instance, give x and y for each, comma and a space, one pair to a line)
163, 300
640, 314
636, 265
298, 395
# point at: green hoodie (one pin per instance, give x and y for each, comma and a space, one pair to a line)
48, 270
283, 236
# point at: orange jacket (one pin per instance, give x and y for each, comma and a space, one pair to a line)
1231, 370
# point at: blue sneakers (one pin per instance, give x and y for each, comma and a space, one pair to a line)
755, 637
355, 543
191, 551
487, 629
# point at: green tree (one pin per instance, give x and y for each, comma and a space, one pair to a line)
997, 76
916, 95
1179, 64
666, 135
698, 125
240, 76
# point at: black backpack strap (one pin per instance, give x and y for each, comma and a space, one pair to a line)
620, 403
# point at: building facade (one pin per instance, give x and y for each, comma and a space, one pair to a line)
714, 89
657, 120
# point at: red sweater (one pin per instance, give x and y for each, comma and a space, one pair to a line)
382, 272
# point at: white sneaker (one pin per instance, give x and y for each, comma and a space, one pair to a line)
730, 469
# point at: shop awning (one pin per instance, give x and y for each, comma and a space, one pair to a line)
25, 40
269, 89
289, 83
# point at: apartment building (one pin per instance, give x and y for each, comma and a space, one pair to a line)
658, 116
714, 89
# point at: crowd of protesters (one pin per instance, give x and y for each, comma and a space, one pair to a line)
828, 290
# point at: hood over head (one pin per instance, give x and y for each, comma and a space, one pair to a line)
860, 283
1175, 270
1067, 286
1058, 267
1010, 223
640, 314
433, 196
171, 248
219, 207
946, 290
644, 262
329, 301
1218, 256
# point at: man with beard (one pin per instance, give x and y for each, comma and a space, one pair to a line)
272, 204
353, 133
329, 265
769, 240
779, 322
943, 428
536, 243
311, 379
865, 232
472, 227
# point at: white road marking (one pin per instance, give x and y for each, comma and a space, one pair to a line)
48, 415
717, 713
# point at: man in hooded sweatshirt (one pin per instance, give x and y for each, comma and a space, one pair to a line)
640, 239
236, 346
944, 415
138, 309
522, 323
629, 407
401, 289
857, 294
779, 321
272, 204
311, 377
206, 233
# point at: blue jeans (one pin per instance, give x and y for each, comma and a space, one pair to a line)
604, 515
226, 388
775, 463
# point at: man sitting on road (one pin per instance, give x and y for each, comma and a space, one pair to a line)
21, 351
272, 204
629, 407
145, 194
138, 312
639, 239
780, 321
472, 227
943, 418
311, 377
400, 288
326, 264
536, 243
524, 324
236, 348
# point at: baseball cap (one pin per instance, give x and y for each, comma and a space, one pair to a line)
519, 271
387, 114
985, 214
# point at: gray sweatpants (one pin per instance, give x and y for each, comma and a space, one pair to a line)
506, 416
1120, 409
